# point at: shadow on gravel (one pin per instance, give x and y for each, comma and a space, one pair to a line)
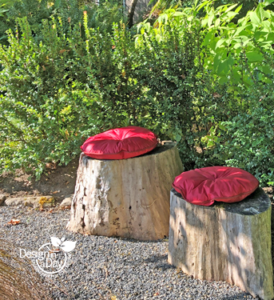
156, 258
240, 296
156, 261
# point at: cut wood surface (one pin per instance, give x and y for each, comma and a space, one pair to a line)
224, 242
127, 198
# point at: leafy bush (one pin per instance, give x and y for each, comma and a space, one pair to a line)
61, 89
197, 78
239, 57
71, 12
243, 57
5, 6
77, 82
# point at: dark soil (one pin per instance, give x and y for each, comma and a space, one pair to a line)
59, 182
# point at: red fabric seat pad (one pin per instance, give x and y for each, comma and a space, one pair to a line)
120, 143
206, 185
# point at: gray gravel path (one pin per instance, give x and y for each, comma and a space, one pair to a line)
109, 268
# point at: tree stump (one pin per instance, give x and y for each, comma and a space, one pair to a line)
18, 278
127, 198
226, 242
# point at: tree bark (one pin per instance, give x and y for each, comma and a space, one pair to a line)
127, 198
131, 13
228, 242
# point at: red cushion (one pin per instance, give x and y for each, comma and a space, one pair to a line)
120, 143
206, 185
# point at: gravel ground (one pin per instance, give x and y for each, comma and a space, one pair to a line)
109, 268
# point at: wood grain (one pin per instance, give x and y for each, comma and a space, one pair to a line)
127, 198
226, 242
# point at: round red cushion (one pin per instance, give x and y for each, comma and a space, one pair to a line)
206, 185
120, 143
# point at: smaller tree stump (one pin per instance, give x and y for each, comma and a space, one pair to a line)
226, 242
127, 198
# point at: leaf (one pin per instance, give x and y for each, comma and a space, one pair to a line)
254, 57
14, 222
254, 18
223, 66
57, 3
177, 14
202, 5
239, 8
219, 43
56, 242
210, 18
68, 246
267, 2
231, 7
260, 12
65, 207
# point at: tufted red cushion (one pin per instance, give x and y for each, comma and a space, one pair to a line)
206, 185
120, 143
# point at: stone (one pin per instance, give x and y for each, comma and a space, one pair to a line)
224, 242
67, 201
31, 201
2, 198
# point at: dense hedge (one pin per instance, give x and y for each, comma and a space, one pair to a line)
71, 12
240, 58
60, 90
202, 81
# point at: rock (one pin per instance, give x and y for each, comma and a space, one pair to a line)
66, 201
2, 198
35, 202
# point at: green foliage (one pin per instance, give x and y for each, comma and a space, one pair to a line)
195, 76
237, 57
242, 56
63, 88
73, 83
5, 6
182, 92
71, 12
249, 137
41, 109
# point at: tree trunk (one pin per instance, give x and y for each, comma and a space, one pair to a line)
228, 242
127, 198
131, 13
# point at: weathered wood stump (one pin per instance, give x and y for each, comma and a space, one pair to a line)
18, 278
127, 198
227, 242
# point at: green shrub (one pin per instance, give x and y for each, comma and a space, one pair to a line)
76, 82
59, 90
71, 12
249, 139
205, 82
239, 59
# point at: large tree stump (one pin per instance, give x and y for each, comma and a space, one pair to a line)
127, 198
228, 242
